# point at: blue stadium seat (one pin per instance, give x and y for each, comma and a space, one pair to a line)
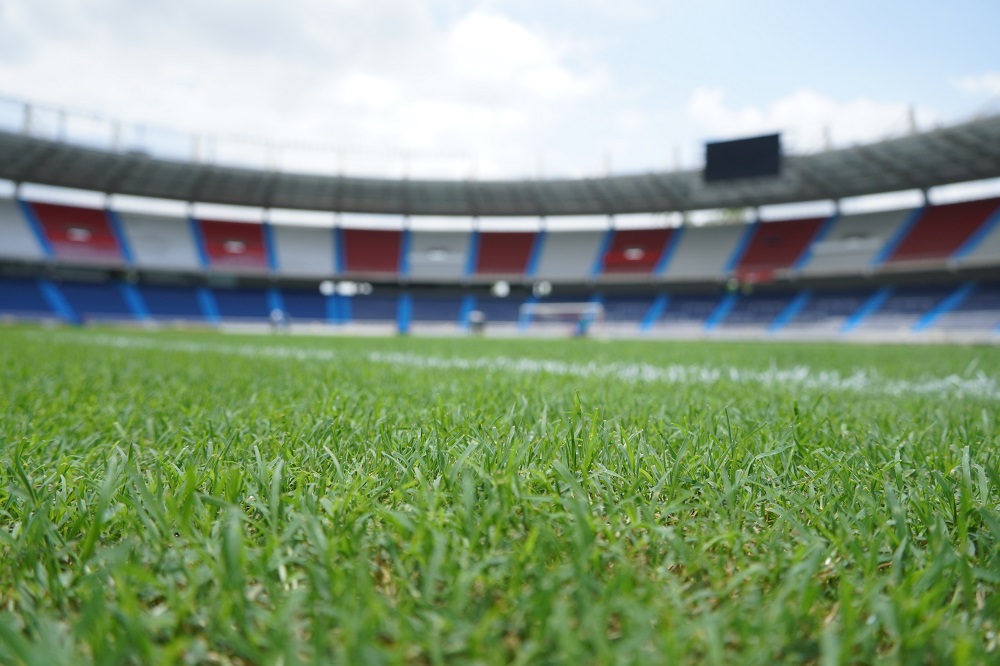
169, 302
904, 307
304, 305
98, 301
21, 297
757, 309
499, 309
372, 308
241, 303
979, 312
437, 308
626, 308
829, 310
688, 310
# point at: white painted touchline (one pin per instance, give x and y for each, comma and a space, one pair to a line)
801, 376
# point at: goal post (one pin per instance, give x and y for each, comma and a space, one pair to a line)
575, 318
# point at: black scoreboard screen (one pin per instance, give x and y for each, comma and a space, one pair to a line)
744, 158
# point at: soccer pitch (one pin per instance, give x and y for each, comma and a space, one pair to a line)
208, 498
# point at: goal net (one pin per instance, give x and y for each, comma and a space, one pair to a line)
573, 319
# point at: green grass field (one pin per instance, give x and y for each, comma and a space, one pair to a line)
211, 498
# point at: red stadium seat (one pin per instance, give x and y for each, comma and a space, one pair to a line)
636, 250
943, 229
776, 246
78, 234
371, 250
234, 244
504, 253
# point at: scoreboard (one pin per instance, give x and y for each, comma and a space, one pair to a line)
753, 157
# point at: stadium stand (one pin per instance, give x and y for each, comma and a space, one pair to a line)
438, 255
626, 309
636, 251
77, 234
571, 256
774, 247
941, 230
964, 310
233, 246
928, 271
303, 251
756, 310
172, 303
19, 241
902, 309
371, 309
106, 265
506, 254
159, 242
827, 312
983, 247
852, 242
978, 311
24, 298
686, 314
499, 310
437, 310
241, 304
703, 252
97, 301
370, 251
306, 306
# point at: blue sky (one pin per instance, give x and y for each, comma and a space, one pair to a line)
507, 88
762, 49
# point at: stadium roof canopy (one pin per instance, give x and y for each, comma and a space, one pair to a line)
966, 152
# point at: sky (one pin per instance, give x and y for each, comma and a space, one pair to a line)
501, 88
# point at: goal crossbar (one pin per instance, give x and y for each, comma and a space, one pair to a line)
595, 310
583, 318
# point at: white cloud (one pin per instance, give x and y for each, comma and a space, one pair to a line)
360, 89
497, 50
988, 83
804, 116
450, 77
380, 73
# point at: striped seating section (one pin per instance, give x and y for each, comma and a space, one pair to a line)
77, 235
504, 253
168, 302
966, 234
84, 264
942, 230
964, 307
774, 247
828, 311
758, 310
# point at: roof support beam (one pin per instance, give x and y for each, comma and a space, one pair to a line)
531, 187
112, 183
908, 179
654, 195
598, 191
975, 147
669, 191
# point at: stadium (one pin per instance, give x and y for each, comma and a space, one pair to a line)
737, 409
926, 272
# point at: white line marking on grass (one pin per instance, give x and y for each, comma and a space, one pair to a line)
800, 376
